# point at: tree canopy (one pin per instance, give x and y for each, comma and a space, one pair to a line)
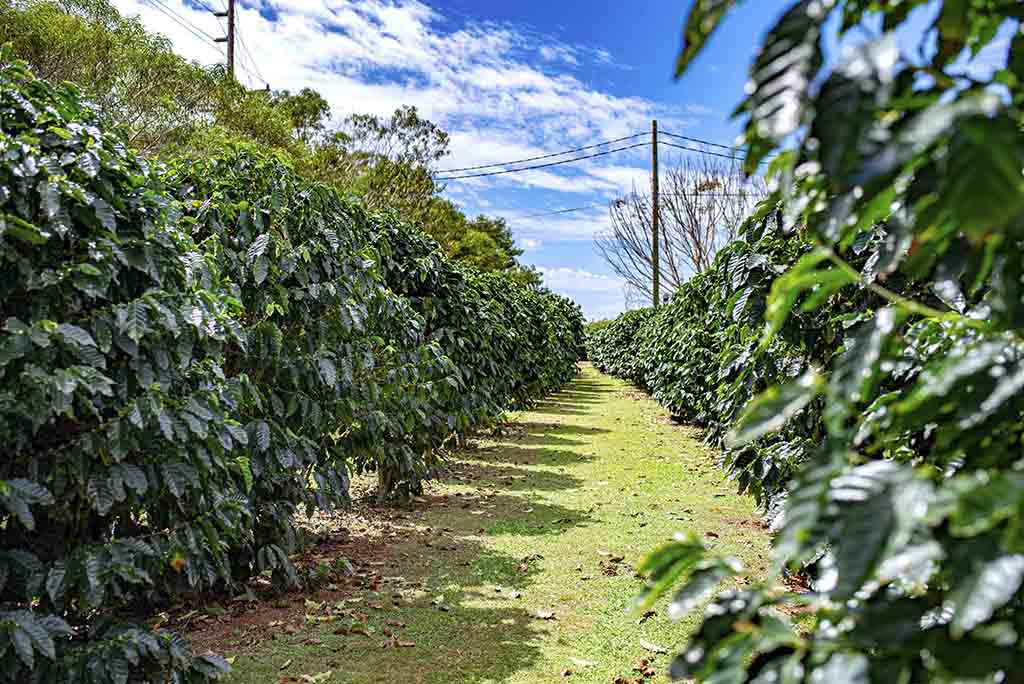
172, 107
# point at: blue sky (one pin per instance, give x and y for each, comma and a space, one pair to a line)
508, 80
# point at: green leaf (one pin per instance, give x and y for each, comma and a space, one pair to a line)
983, 188
55, 582
244, 468
259, 270
22, 645
665, 566
845, 668
704, 18
258, 247
989, 585
104, 213
135, 320
262, 431
781, 78
40, 637
984, 501
804, 277
871, 508
700, 585
328, 371
76, 335
775, 407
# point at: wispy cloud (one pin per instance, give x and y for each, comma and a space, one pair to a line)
601, 296
505, 92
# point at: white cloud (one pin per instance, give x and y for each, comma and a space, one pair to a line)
575, 280
530, 244
601, 296
502, 91
558, 53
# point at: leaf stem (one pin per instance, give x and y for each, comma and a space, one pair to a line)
887, 294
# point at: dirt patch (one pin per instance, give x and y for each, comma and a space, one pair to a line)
748, 523
349, 564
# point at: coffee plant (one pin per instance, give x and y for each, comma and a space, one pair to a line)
193, 354
615, 348
900, 184
121, 479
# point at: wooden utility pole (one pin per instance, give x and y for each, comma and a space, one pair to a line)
230, 39
655, 215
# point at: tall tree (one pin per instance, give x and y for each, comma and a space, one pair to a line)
703, 201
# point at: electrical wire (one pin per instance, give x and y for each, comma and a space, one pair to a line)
544, 156
205, 6
713, 154
245, 50
623, 199
161, 7
700, 141
543, 166
564, 211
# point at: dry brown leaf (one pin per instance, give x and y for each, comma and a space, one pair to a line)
653, 648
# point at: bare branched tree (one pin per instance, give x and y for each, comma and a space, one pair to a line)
703, 201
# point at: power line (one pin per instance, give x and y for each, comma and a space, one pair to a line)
246, 52
542, 166
199, 33
204, 6
564, 211
713, 154
544, 156
618, 200
701, 142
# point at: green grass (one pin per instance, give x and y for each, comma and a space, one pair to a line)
597, 469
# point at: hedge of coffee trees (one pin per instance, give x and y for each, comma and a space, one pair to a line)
193, 353
885, 349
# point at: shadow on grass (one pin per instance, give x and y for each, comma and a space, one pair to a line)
426, 575
518, 455
552, 408
541, 430
511, 478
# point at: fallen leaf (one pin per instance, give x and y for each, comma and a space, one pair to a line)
645, 668
542, 614
645, 617
580, 662
653, 648
285, 665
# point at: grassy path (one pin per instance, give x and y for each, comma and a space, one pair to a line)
518, 567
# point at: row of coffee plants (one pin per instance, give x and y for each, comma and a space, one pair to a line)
900, 300
190, 355
700, 355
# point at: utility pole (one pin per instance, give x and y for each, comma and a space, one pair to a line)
655, 215
230, 39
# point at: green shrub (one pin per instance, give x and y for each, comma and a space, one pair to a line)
906, 303
192, 355
121, 480
616, 347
